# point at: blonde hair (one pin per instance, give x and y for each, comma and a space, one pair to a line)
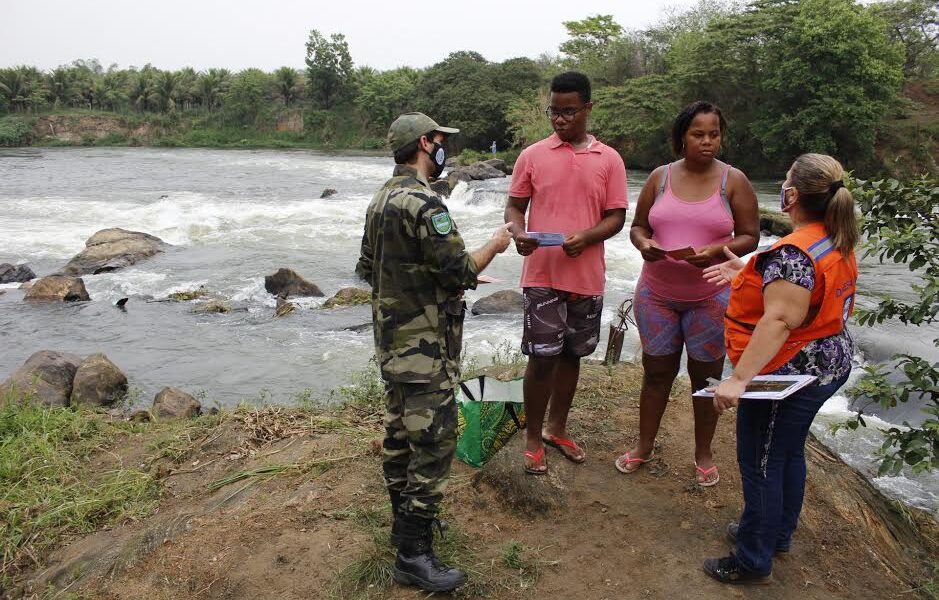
814, 176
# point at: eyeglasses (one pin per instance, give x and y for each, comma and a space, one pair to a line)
565, 113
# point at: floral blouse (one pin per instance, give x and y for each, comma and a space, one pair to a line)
827, 358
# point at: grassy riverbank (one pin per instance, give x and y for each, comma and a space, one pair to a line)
265, 501
905, 146
306, 129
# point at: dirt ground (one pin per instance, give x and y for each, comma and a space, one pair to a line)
311, 518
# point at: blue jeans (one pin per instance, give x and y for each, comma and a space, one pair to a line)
771, 454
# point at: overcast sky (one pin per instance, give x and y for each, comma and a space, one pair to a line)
236, 34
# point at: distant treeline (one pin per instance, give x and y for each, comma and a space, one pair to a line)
791, 76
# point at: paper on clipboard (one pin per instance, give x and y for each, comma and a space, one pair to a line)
545, 238
769, 387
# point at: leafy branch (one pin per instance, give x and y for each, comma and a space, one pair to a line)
901, 224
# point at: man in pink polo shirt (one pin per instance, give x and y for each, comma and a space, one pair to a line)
575, 186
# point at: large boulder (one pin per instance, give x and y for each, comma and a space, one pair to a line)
98, 382
776, 223
441, 187
349, 296
112, 249
173, 403
46, 377
58, 287
501, 302
15, 274
286, 282
474, 172
498, 163
329, 192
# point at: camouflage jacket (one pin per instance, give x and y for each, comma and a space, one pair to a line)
417, 264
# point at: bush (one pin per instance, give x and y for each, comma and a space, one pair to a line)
15, 131
112, 139
469, 157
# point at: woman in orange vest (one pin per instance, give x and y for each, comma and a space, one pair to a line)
787, 313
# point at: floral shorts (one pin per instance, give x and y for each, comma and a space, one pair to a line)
667, 325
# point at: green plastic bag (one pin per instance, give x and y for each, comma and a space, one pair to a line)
491, 411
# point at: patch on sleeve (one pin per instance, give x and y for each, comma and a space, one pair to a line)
442, 223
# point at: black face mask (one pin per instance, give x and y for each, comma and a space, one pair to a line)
438, 156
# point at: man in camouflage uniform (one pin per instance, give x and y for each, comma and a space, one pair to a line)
418, 266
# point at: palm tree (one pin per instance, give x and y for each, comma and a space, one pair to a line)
115, 87
141, 92
286, 81
187, 80
210, 86
62, 87
22, 87
166, 90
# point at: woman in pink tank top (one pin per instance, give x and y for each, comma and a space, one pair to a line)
689, 214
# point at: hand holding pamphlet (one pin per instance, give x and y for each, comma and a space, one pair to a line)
545, 238
767, 387
681, 253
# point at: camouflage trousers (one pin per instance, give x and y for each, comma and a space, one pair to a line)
420, 440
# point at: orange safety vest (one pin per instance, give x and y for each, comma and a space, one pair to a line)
831, 304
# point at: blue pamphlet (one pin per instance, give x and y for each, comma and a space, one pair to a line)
546, 239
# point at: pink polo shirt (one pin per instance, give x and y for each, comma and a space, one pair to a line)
569, 191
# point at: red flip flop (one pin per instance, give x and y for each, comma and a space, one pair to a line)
625, 463
537, 459
563, 446
703, 476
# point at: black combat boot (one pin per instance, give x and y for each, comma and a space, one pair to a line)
416, 563
396, 501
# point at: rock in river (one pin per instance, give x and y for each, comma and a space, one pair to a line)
502, 302
58, 287
286, 282
112, 249
98, 382
46, 377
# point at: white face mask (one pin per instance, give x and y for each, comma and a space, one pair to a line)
782, 196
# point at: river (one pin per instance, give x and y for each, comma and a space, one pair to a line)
236, 216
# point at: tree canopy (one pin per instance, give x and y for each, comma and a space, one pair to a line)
790, 76
329, 68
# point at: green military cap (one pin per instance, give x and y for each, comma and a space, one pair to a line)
410, 127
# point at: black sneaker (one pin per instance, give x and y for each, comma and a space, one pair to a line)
733, 526
726, 570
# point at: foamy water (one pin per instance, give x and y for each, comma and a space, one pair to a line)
236, 216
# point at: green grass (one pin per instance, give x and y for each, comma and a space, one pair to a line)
525, 562
370, 576
366, 393
176, 440
47, 489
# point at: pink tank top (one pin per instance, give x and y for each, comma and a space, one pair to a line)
677, 224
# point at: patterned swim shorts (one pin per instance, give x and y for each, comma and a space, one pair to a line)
557, 321
666, 325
